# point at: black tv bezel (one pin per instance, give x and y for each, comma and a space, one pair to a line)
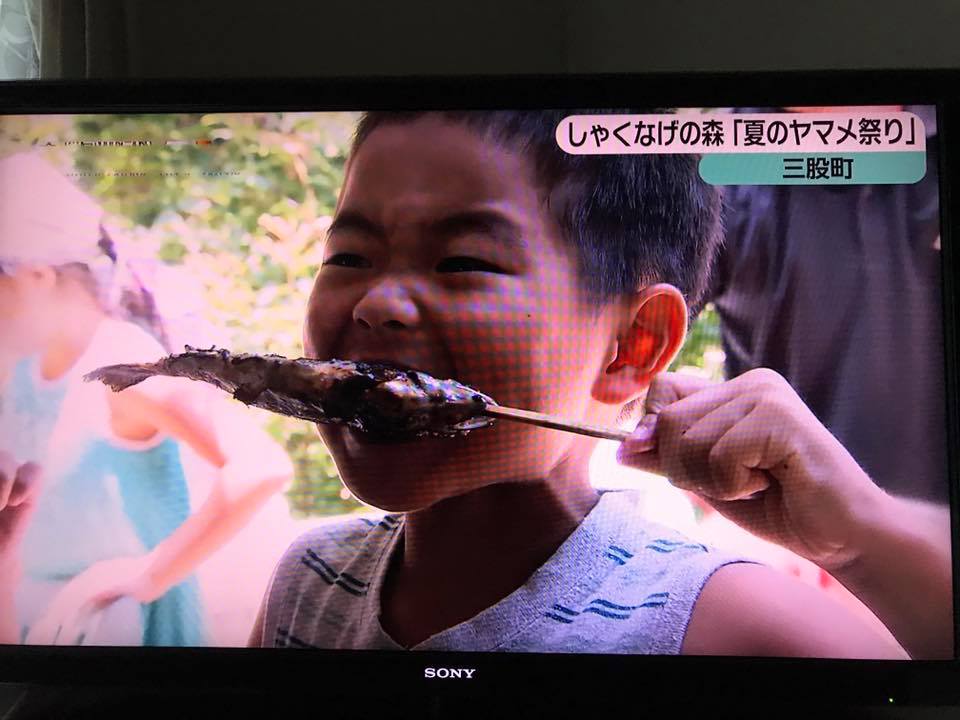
707, 681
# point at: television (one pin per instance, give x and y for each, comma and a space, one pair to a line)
482, 393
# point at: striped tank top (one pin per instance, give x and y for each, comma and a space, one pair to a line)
618, 584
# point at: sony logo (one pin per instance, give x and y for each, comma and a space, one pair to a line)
449, 672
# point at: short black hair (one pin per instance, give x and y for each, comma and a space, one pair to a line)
634, 219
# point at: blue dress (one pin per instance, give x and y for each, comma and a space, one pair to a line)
100, 500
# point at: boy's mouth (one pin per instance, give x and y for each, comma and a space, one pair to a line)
390, 363
366, 437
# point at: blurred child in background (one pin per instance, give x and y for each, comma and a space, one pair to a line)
108, 554
231, 580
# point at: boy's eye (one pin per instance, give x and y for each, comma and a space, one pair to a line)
351, 260
467, 264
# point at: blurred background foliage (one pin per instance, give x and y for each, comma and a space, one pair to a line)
240, 204
701, 352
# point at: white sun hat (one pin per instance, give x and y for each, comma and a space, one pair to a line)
44, 217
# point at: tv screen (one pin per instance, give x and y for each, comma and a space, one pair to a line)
519, 376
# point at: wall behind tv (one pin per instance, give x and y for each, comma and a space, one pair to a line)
224, 38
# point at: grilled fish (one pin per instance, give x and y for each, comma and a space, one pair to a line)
372, 397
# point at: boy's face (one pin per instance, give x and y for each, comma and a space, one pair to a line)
441, 257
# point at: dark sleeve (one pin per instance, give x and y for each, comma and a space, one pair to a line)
719, 270
741, 274
738, 223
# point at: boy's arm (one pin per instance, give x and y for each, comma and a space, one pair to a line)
906, 544
295, 550
256, 635
752, 610
756, 453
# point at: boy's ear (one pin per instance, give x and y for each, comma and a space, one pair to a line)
653, 334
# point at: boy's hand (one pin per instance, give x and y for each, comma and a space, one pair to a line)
18, 492
756, 453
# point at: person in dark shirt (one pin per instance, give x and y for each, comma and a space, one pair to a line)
838, 288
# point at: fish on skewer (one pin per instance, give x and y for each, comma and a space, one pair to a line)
376, 398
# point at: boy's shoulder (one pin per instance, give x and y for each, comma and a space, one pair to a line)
342, 537
621, 514
321, 577
334, 551
622, 583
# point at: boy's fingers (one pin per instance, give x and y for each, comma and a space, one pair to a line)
736, 460
677, 402
717, 456
686, 445
668, 388
702, 398
648, 460
665, 390
643, 438
697, 396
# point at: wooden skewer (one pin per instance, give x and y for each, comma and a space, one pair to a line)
549, 421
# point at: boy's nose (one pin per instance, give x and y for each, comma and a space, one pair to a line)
388, 305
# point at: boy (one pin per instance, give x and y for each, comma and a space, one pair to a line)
468, 245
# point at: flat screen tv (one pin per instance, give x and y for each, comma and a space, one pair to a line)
534, 392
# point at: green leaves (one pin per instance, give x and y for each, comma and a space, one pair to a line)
702, 349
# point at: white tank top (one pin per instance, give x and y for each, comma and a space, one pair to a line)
618, 584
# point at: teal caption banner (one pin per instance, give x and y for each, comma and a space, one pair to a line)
855, 168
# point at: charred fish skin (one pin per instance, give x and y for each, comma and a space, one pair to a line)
371, 397
415, 403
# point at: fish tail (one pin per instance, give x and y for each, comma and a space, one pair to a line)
120, 377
